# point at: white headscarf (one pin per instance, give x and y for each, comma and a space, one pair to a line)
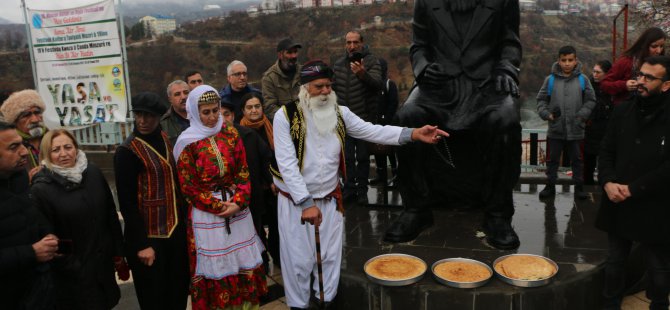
196, 131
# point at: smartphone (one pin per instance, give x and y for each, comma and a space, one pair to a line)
64, 246
356, 57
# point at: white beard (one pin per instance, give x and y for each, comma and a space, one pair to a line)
36, 130
322, 108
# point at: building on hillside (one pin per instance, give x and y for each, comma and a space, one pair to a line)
252, 11
211, 7
157, 25
269, 7
528, 5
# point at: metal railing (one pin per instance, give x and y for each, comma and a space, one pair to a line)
533, 150
104, 134
533, 142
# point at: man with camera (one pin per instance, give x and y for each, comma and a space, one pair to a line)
357, 84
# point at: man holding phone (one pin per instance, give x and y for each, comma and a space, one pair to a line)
357, 84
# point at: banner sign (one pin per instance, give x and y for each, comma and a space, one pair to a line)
77, 54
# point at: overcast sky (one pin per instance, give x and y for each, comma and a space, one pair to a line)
12, 8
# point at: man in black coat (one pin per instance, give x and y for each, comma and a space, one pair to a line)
25, 242
634, 169
465, 56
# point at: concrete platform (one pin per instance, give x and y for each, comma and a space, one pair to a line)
561, 229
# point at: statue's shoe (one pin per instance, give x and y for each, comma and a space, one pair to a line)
408, 226
500, 233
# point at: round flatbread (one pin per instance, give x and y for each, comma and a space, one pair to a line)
395, 268
456, 271
525, 267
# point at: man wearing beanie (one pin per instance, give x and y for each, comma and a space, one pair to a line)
309, 136
280, 82
153, 209
24, 109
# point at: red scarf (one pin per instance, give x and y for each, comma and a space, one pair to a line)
262, 122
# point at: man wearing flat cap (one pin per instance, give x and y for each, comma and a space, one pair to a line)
308, 136
24, 110
153, 209
281, 82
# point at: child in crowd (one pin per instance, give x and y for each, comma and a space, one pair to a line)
565, 100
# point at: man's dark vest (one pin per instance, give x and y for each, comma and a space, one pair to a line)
298, 129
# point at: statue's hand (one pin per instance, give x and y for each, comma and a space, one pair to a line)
506, 84
433, 76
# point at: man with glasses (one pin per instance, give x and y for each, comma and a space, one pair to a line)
175, 121
281, 82
194, 79
634, 169
24, 109
237, 87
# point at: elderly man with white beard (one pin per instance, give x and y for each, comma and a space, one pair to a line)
309, 137
24, 109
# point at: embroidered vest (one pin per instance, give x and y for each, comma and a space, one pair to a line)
298, 130
156, 196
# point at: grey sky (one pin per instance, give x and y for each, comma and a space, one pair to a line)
12, 8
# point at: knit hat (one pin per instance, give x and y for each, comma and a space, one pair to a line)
149, 102
314, 70
20, 102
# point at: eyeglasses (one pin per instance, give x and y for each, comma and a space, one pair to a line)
239, 74
648, 77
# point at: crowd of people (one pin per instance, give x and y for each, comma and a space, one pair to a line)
197, 180
203, 173
621, 117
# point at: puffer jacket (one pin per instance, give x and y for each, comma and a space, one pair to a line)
360, 95
279, 89
575, 105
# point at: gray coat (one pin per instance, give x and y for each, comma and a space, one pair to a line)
575, 105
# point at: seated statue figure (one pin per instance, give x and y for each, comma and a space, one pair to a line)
465, 56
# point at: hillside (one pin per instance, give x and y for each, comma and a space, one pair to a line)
210, 45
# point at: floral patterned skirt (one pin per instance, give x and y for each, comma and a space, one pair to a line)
229, 292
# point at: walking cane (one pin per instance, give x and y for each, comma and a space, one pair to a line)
319, 267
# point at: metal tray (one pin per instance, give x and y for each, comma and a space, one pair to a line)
524, 283
387, 282
461, 284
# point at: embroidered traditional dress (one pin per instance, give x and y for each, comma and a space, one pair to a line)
225, 261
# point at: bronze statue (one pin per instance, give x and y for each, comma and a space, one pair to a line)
465, 56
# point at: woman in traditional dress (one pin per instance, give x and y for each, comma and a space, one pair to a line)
77, 201
224, 249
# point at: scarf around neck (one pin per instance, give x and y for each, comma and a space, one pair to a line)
74, 173
262, 122
196, 131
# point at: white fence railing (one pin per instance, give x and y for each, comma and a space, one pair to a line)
104, 134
